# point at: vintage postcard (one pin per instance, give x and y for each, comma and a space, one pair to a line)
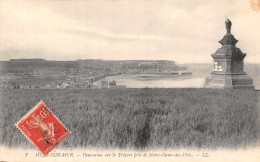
130, 80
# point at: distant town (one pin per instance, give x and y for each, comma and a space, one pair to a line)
88, 73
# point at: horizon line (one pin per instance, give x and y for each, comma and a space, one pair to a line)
42, 59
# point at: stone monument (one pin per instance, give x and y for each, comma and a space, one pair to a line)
228, 70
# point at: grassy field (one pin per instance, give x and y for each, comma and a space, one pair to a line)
139, 118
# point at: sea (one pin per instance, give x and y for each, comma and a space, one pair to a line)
168, 80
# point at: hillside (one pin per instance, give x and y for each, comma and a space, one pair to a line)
139, 118
39, 73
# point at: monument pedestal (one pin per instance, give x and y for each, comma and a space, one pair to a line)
228, 70
229, 81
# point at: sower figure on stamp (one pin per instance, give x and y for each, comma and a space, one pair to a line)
47, 130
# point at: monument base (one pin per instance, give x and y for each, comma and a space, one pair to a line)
229, 81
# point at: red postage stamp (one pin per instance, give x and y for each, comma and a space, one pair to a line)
42, 128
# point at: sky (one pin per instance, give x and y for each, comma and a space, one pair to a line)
183, 31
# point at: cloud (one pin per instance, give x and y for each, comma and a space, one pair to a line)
30, 26
67, 30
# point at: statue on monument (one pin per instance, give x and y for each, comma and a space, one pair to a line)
228, 25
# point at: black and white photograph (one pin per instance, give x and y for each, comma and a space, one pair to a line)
130, 80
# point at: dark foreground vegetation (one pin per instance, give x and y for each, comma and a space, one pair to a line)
139, 118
